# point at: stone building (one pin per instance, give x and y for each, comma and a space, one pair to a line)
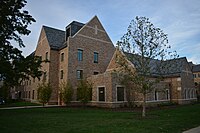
85, 51
196, 75
78, 52
177, 85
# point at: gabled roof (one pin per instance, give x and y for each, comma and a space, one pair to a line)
174, 66
55, 37
196, 68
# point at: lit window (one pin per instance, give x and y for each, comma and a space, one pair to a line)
79, 74
80, 55
62, 57
61, 74
96, 57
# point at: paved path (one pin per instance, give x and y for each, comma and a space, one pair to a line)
46, 106
193, 130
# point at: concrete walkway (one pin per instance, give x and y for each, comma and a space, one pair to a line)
193, 130
25, 107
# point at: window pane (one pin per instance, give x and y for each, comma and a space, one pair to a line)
46, 55
101, 94
120, 93
62, 57
80, 55
61, 74
95, 57
79, 74
95, 73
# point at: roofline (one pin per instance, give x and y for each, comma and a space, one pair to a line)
52, 28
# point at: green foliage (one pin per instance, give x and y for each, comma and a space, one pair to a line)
4, 92
14, 23
79, 120
84, 91
144, 44
66, 92
44, 93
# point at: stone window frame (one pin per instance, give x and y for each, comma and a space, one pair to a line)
81, 74
96, 57
61, 74
156, 95
80, 54
167, 94
46, 56
124, 93
33, 94
98, 93
62, 57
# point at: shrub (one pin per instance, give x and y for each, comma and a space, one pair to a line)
84, 92
66, 92
44, 93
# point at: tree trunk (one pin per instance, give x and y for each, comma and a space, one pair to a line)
144, 106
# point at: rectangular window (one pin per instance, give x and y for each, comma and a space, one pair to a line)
80, 55
199, 75
61, 74
101, 91
194, 75
95, 73
33, 94
62, 57
29, 94
120, 93
46, 57
96, 57
156, 95
79, 74
167, 94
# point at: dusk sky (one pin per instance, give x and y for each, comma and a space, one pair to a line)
180, 19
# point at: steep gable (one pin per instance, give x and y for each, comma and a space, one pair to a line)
94, 29
118, 56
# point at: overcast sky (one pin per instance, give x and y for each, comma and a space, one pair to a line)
180, 19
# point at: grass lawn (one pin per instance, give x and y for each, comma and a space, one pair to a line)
19, 104
92, 120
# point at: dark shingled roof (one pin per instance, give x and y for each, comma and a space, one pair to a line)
174, 66
196, 68
55, 37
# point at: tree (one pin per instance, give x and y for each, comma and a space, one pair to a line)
44, 93
13, 23
147, 48
84, 91
66, 92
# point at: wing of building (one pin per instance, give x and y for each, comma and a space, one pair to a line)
85, 51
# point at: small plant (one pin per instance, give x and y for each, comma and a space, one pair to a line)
84, 92
66, 92
44, 93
